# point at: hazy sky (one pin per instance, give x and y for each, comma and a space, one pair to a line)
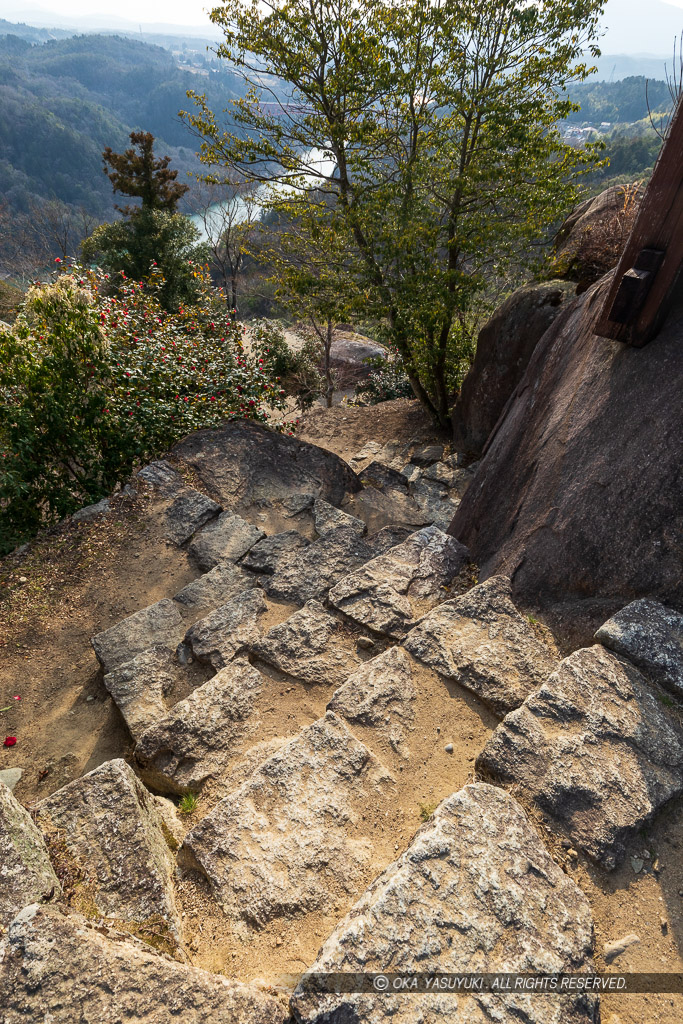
635, 25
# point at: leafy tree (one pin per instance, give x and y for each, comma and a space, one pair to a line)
137, 172
151, 240
442, 162
228, 216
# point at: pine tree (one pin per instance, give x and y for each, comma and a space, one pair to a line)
137, 172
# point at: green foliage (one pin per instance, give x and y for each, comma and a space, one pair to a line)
620, 102
188, 804
297, 370
151, 238
92, 383
137, 172
387, 380
443, 163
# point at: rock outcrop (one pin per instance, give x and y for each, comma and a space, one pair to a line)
504, 348
580, 492
61, 969
475, 891
651, 636
595, 749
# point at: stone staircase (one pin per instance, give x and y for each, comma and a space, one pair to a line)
321, 690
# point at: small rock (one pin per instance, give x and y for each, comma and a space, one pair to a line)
187, 513
25, 869
614, 949
365, 643
448, 748
161, 476
84, 515
664, 925
637, 864
427, 455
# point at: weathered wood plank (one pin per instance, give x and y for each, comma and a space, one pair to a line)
650, 266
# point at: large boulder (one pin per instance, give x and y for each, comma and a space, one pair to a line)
592, 238
504, 348
60, 970
595, 749
580, 491
244, 464
475, 891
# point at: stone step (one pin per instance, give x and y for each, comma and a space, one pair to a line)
25, 867
481, 641
158, 624
475, 891
60, 969
107, 833
391, 592
651, 636
225, 539
288, 842
595, 748
228, 629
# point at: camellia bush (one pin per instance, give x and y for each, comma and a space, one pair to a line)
95, 379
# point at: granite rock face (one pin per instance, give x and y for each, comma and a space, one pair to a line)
286, 841
198, 739
245, 464
390, 592
482, 642
380, 694
60, 970
310, 646
475, 891
217, 638
595, 749
108, 824
225, 539
158, 624
26, 873
504, 348
651, 636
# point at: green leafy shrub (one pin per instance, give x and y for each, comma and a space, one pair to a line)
91, 384
387, 379
297, 370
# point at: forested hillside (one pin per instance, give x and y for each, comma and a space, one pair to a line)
63, 101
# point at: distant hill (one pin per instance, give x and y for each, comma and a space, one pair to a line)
62, 101
621, 102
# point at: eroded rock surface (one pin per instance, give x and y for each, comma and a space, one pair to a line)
381, 694
268, 554
391, 591
217, 638
198, 739
244, 464
225, 539
651, 636
310, 572
595, 749
482, 642
309, 645
214, 588
475, 891
60, 969
158, 624
107, 824
284, 843
141, 688
26, 873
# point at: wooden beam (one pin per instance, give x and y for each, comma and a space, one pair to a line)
650, 265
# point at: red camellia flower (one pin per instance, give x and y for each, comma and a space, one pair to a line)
10, 741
